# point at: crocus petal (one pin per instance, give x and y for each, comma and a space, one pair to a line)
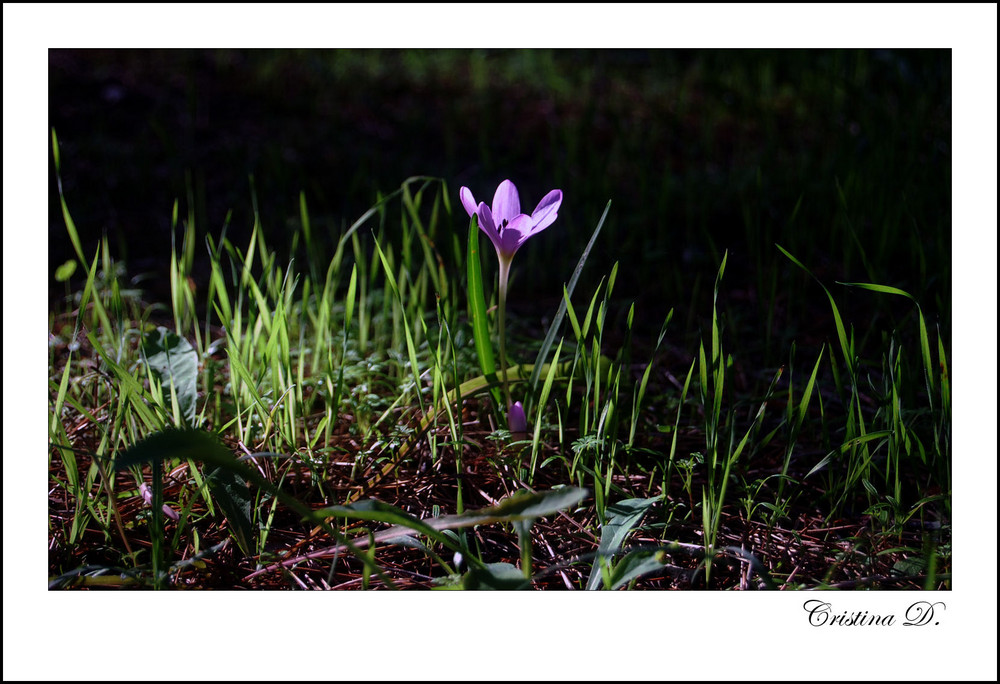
468, 201
506, 204
546, 211
147, 496
487, 226
504, 224
516, 419
514, 235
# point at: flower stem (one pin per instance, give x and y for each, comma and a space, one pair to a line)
504, 271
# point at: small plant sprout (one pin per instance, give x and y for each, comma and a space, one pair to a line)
508, 229
147, 496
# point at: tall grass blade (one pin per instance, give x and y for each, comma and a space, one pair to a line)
477, 303
557, 321
846, 347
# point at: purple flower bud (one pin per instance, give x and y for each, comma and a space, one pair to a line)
147, 496
515, 418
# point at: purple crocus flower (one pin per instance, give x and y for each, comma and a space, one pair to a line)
504, 223
507, 228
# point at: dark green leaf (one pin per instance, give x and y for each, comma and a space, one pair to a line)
634, 565
172, 359
499, 576
621, 518
232, 493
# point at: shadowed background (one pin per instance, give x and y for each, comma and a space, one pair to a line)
842, 157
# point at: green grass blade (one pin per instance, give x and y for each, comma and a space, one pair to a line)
477, 302
542, 401
74, 237
925, 347
557, 321
846, 347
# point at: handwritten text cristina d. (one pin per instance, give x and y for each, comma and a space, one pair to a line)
919, 614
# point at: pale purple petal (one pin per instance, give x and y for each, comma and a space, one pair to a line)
468, 201
486, 223
506, 204
504, 223
487, 226
516, 418
514, 235
546, 211
147, 496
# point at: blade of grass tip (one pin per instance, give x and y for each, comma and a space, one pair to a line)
846, 347
432, 261
557, 321
189, 232
800, 416
589, 316
716, 346
677, 421
945, 384
571, 312
410, 346
348, 317
925, 349
91, 294
74, 237
850, 229
641, 392
546, 390
375, 208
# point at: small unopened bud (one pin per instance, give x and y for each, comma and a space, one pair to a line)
516, 420
147, 496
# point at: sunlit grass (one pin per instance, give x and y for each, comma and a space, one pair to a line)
285, 407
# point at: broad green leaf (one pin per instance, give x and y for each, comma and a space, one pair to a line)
525, 505
621, 518
377, 511
497, 576
634, 565
173, 361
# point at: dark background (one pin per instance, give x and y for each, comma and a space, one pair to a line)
842, 157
